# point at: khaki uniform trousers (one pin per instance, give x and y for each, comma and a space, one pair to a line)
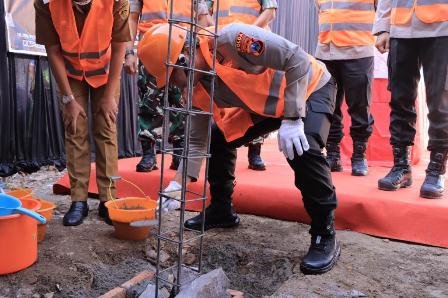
77, 145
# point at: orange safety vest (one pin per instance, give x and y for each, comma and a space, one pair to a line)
158, 11
86, 56
428, 11
224, 17
245, 11
346, 23
262, 94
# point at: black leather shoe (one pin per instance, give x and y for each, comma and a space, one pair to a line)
256, 163
400, 176
334, 157
359, 161
322, 255
75, 215
148, 161
434, 185
215, 217
103, 212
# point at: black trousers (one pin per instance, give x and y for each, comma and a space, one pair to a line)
354, 79
312, 172
406, 57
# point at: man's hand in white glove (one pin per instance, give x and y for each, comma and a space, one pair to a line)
173, 190
292, 135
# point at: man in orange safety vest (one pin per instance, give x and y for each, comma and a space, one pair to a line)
85, 42
416, 35
346, 46
264, 83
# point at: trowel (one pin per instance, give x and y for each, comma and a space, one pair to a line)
144, 223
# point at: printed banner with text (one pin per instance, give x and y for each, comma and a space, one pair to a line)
19, 17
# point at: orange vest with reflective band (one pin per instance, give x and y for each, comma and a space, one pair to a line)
224, 12
427, 11
346, 22
245, 11
262, 94
158, 11
86, 56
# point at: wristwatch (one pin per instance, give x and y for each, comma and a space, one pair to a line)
65, 99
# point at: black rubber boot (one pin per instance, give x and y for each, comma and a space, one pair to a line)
175, 160
324, 250
76, 214
256, 163
215, 217
434, 185
148, 161
400, 176
359, 161
334, 157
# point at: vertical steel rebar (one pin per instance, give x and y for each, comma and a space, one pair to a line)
189, 112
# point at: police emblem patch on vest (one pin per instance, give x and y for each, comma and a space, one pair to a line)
248, 45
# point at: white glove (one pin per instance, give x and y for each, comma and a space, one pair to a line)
173, 190
291, 134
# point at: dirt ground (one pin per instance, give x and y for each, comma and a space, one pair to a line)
261, 258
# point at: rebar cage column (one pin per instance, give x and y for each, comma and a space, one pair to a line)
193, 31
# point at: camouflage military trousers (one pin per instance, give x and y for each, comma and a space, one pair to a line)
150, 116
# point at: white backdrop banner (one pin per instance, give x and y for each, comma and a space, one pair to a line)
19, 17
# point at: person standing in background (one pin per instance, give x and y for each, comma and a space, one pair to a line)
346, 46
144, 15
259, 13
416, 34
85, 43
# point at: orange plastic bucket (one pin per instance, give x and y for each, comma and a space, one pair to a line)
20, 193
127, 210
131, 209
45, 210
18, 234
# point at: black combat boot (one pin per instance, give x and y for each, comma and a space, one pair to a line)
334, 157
359, 161
148, 161
324, 250
434, 185
401, 173
256, 163
216, 216
76, 214
175, 160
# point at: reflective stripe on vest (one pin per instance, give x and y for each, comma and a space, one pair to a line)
247, 11
86, 56
158, 11
271, 103
153, 12
152, 16
346, 23
261, 94
224, 17
427, 11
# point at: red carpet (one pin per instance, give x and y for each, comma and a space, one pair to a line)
362, 207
